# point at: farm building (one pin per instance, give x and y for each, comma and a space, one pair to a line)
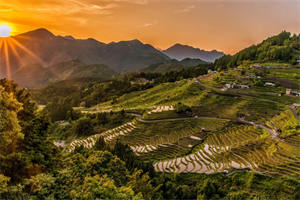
291, 92
236, 86
212, 71
251, 76
296, 105
269, 84
256, 66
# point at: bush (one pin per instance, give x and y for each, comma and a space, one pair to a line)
83, 127
181, 108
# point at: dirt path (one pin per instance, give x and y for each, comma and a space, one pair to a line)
294, 112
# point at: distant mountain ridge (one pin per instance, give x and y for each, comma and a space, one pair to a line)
174, 65
34, 76
180, 52
44, 48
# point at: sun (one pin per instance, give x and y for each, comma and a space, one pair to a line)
5, 30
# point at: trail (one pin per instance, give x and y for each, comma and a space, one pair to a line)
294, 112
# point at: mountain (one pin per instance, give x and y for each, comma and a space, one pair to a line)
33, 76
173, 65
179, 52
46, 49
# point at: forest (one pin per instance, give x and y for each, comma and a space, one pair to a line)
283, 47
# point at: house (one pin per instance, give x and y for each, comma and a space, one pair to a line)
295, 105
269, 84
251, 76
256, 66
291, 92
212, 71
298, 62
227, 85
269, 66
236, 86
243, 86
295, 93
240, 86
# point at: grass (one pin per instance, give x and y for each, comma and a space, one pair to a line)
185, 91
285, 123
292, 74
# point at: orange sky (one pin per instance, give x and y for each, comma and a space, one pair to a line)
226, 25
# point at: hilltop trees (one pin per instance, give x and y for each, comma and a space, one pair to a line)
281, 47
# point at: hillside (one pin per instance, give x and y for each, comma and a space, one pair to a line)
173, 65
195, 125
194, 133
281, 48
35, 76
44, 48
180, 52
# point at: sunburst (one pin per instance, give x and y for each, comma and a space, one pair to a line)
9, 49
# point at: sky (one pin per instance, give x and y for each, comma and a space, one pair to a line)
224, 25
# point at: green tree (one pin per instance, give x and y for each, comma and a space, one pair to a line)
97, 187
10, 133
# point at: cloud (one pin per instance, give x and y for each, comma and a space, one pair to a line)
66, 7
187, 9
147, 25
141, 2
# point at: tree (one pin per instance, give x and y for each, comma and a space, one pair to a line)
25, 149
83, 127
3, 184
141, 183
10, 133
97, 187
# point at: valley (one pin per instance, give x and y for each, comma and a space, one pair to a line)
204, 142
142, 125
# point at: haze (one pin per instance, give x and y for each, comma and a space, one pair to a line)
223, 25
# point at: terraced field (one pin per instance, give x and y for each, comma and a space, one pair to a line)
165, 139
108, 136
238, 148
166, 94
204, 99
205, 145
266, 140
286, 124
214, 154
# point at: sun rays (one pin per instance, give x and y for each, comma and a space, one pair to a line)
10, 49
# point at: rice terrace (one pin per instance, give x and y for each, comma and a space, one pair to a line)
150, 99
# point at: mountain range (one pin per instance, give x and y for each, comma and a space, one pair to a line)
43, 47
173, 65
38, 57
180, 52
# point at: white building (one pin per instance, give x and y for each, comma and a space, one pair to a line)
269, 84
212, 71
236, 86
